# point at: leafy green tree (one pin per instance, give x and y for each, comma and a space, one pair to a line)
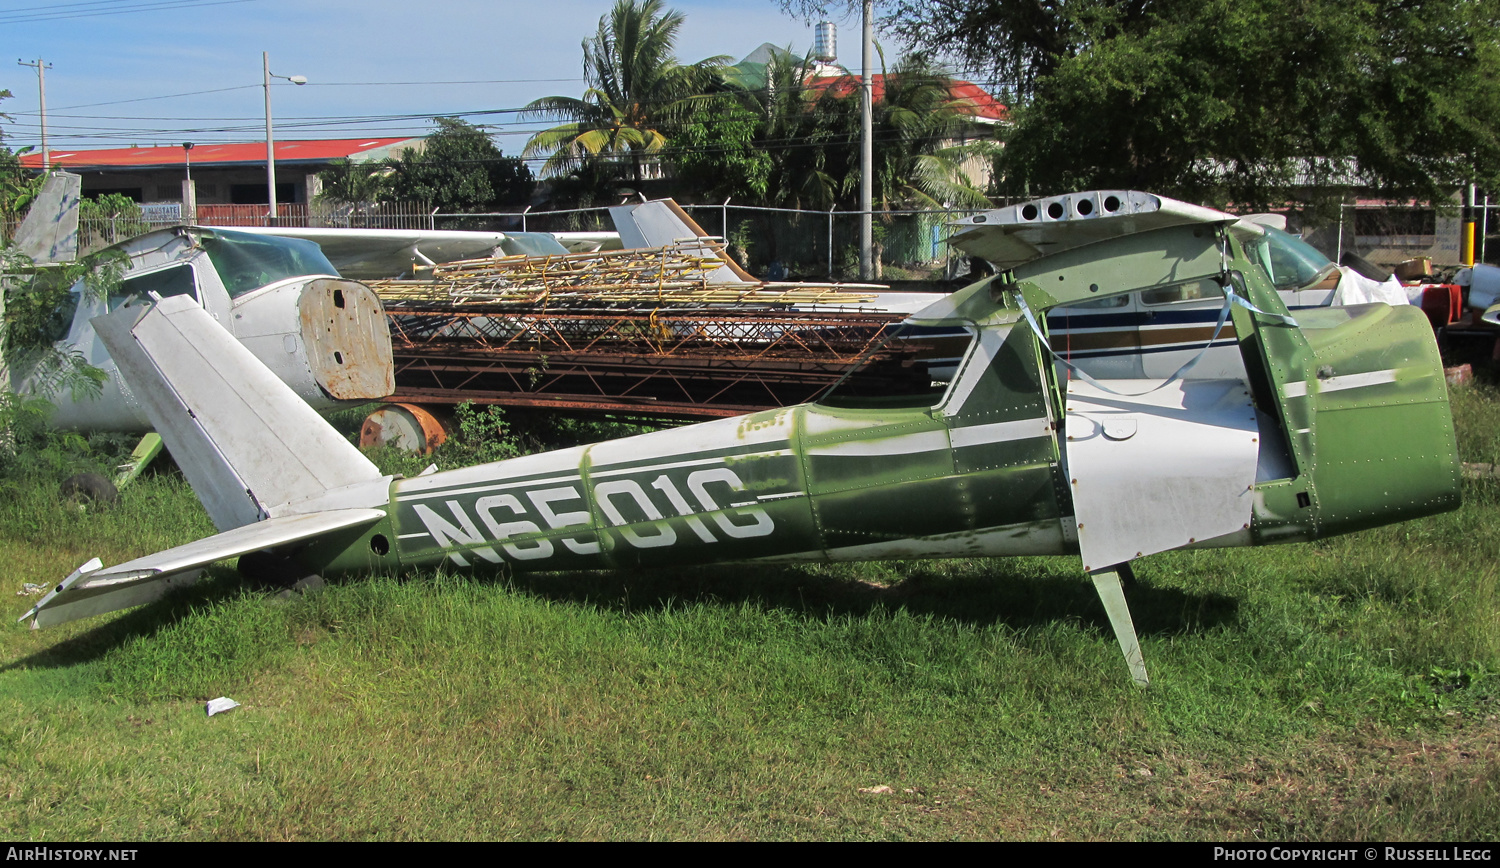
17, 186
794, 145
717, 152
1255, 102
355, 183
921, 147
637, 92
460, 170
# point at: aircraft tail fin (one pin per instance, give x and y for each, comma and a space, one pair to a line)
49, 234
663, 223
248, 445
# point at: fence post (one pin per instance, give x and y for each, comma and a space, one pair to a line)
830, 241
523, 218
724, 219
1484, 225
432, 220
1339, 254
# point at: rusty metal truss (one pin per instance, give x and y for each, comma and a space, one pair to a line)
691, 363
678, 274
645, 332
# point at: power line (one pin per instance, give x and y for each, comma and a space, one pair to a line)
25, 17
149, 98
468, 81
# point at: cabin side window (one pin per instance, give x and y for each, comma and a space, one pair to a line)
1105, 303
247, 262
1192, 290
177, 280
912, 368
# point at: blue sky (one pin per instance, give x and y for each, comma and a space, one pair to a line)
364, 59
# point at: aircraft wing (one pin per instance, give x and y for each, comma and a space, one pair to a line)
379, 253
1007, 237
93, 591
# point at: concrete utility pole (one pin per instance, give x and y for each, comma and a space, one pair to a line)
41, 68
265, 63
866, 150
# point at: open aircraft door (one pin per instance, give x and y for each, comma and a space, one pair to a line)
1151, 472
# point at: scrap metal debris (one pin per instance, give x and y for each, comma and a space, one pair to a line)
220, 705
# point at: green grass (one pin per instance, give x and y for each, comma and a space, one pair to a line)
1348, 690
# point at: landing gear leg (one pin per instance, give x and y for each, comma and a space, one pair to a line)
1107, 583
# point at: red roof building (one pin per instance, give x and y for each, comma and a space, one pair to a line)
222, 173
966, 95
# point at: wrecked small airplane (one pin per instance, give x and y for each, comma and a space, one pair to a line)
1340, 423
364, 254
326, 337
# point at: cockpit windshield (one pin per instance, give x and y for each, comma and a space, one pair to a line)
247, 262
909, 367
1290, 261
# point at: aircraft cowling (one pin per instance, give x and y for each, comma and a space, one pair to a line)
327, 338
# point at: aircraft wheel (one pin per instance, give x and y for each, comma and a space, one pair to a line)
90, 489
275, 571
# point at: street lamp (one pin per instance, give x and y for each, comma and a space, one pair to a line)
189, 195
265, 61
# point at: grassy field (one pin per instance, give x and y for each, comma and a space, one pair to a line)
1344, 690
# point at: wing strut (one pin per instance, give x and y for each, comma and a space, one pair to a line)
1107, 583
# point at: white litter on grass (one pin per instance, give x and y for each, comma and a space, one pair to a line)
220, 705
881, 790
30, 590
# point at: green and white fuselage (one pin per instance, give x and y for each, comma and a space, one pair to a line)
1341, 423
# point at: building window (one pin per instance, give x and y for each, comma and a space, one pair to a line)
255, 194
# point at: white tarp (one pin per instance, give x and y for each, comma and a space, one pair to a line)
1355, 288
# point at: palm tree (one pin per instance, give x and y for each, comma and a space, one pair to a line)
920, 147
636, 90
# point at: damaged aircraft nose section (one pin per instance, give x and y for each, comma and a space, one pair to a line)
348, 342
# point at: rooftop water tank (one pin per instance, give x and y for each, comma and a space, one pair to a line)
825, 46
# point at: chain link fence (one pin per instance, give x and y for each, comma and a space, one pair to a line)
778, 243
771, 243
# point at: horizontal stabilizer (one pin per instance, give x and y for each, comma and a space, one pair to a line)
94, 591
246, 443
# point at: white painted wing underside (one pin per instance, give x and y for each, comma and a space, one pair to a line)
1008, 237
1159, 471
95, 591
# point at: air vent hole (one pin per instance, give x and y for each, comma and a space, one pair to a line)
1055, 210
1085, 207
1111, 204
1028, 212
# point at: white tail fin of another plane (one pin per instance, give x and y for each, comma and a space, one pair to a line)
49, 234
663, 223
